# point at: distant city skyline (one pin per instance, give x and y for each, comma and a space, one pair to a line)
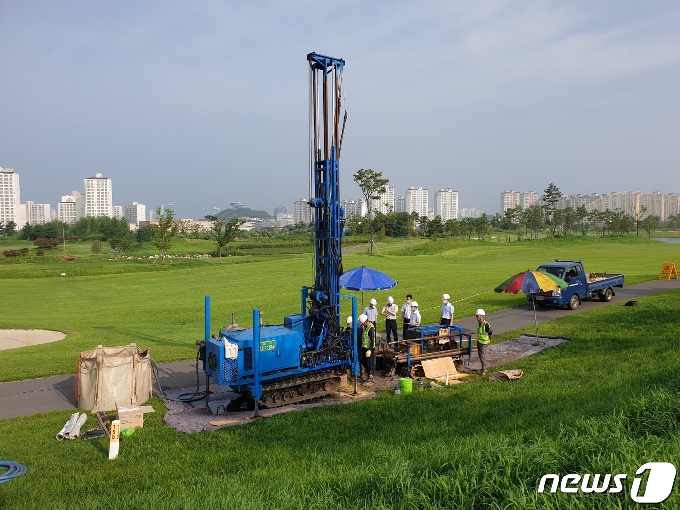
475, 96
97, 200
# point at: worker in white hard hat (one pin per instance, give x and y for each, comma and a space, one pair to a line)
447, 311
484, 334
371, 311
348, 324
367, 357
406, 315
414, 322
390, 311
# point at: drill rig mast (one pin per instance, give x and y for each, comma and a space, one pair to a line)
301, 359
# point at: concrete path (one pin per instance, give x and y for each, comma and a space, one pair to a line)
32, 396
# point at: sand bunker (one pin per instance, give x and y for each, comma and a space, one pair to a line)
14, 338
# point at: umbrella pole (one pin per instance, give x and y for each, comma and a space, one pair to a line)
535, 320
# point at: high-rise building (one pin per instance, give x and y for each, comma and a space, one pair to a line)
470, 212
118, 212
67, 210
416, 200
9, 197
98, 196
354, 208
446, 204
36, 214
385, 203
399, 204
302, 212
511, 199
284, 219
134, 213
280, 209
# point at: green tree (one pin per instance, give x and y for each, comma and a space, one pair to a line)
435, 228
371, 184
97, 246
468, 225
482, 226
413, 222
551, 198
223, 232
9, 229
534, 220
514, 218
422, 225
122, 242
144, 235
650, 224
164, 231
581, 216
452, 227
637, 217
569, 219
674, 222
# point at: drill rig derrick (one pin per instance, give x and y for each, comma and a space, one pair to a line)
300, 360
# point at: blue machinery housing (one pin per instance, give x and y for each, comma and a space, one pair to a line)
301, 358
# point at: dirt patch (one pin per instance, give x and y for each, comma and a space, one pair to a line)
195, 419
511, 350
15, 338
190, 420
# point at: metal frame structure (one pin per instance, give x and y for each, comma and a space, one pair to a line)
301, 359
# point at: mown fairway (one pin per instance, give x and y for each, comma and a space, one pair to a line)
606, 402
161, 307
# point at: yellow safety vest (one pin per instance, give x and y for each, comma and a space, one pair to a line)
365, 338
482, 335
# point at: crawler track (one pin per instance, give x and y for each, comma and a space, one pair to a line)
298, 389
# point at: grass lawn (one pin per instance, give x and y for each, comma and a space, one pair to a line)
607, 401
116, 302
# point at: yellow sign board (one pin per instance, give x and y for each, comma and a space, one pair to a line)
668, 271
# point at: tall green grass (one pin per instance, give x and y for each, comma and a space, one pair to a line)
604, 402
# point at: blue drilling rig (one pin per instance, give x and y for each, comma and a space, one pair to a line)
304, 357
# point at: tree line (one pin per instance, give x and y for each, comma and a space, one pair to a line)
524, 223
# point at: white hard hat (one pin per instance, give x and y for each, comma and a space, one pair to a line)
349, 320
390, 300
373, 301
480, 312
446, 296
363, 318
414, 303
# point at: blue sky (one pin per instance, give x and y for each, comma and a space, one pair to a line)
205, 103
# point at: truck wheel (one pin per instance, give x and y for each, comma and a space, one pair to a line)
574, 301
606, 295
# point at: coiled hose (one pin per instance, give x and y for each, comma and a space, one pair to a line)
14, 469
184, 397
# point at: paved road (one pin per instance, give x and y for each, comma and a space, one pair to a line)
32, 396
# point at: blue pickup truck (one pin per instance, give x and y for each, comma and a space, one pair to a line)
582, 285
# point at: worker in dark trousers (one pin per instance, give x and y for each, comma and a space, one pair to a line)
484, 334
389, 311
367, 348
446, 318
406, 315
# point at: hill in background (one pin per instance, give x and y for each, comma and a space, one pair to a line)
242, 212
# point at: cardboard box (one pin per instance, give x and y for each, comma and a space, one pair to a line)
132, 417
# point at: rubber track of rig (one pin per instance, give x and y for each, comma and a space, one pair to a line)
298, 389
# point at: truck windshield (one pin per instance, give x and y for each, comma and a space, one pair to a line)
555, 271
